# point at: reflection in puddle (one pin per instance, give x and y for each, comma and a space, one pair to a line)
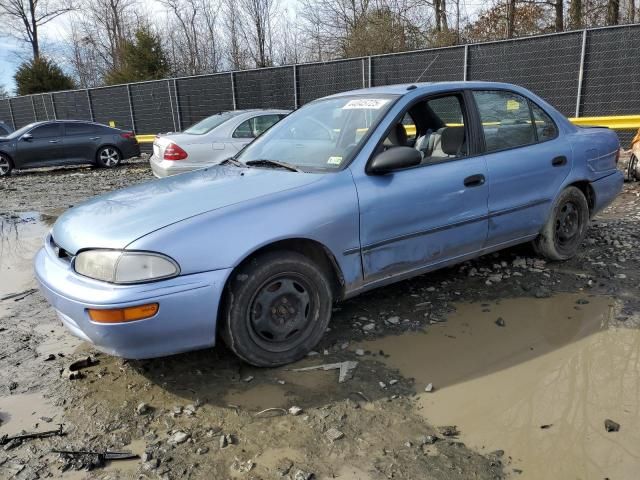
21, 236
555, 363
26, 412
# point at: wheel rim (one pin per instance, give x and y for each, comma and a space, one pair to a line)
568, 225
281, 312
109, 157
4, 166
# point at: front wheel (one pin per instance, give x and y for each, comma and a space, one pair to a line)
277, 307
566, 227
108, 157
5, 165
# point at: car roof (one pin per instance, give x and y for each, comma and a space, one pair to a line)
426, 87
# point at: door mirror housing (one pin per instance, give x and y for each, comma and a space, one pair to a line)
27, 137
395, 158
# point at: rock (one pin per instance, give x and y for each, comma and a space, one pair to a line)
178, 438
46, 419
360, 352
151, 464
75, 375
582, 301
611, 426
295, 410
542, 293
13, 386
500, 322
82, 363
428, 440
333, 434
449, 430
248, 379
202, 450
393, 320
190, 410
242, 466
382, 384
143, 409
50, 357
284, 466
302, 475
429, 388
225, 440
393, 382
369, 327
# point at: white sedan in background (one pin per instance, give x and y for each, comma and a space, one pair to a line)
210, 141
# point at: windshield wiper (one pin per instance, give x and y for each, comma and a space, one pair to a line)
233, 161
276, 163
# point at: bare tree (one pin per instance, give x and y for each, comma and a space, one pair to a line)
575, 14
613, 12
237, 52
192, 38
24, 18
258, 29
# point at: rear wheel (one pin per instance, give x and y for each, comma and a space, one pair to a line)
277, 307
6, 165
566, 227
108, 157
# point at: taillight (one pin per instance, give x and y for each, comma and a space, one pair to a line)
128, 135
174, 152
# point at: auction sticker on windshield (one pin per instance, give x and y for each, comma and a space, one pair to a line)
334, 160
368, 103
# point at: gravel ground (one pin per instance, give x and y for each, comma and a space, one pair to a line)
201, 414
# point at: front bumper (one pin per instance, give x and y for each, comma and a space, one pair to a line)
186, 319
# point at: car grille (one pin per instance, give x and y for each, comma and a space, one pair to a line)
59, 252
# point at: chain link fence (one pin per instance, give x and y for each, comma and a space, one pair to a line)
592, 72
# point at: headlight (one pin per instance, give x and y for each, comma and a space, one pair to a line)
121, 266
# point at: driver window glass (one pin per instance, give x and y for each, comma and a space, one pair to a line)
244, 130
46, 131
435, 128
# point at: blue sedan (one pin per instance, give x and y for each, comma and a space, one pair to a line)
349, 193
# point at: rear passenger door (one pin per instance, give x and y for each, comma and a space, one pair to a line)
81, 142
527, 162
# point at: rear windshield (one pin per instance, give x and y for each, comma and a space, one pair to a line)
209, 123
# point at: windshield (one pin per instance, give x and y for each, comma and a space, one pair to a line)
321, 136
209, 123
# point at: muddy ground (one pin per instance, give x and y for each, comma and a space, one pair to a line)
526, 359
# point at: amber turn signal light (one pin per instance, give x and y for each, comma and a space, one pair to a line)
120, 315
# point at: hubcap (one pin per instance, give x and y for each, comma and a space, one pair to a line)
281, 311
567, 224
4, 166
109, 157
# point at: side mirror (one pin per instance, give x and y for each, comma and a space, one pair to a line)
396, 158
27, 137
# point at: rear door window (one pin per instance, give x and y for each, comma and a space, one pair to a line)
545, 127
71, 129
264, 123
506, 120
244, 130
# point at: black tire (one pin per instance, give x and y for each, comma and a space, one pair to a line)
6, 165
108, 157
276, 308
566, 227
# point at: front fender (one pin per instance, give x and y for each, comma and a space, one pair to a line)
325, 211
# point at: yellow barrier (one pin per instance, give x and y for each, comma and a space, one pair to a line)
625, 122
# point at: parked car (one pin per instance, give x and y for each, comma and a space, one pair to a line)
5, 129
65, 142
210, 141
333, 201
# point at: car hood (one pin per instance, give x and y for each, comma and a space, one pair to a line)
118, 218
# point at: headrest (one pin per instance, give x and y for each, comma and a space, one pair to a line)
452, 140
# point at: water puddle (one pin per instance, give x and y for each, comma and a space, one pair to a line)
21, 235
31, 412
540, 387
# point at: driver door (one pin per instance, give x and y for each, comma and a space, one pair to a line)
43, 147
427, 215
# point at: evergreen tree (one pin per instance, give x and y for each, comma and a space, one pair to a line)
41, 75
142, 59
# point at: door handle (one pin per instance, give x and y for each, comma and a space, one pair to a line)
559, 161
53, 141
94, 138
474, 181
